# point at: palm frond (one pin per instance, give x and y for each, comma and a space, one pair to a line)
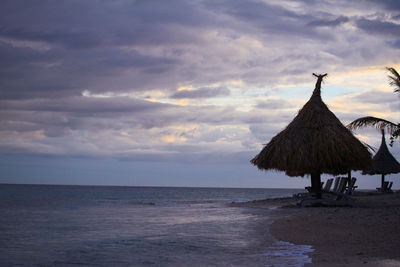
395, 135
369, 147
378, 123
394, 80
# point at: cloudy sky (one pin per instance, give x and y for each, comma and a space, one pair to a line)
182, 93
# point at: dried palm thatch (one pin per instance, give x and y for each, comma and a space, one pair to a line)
383, 162
315, 142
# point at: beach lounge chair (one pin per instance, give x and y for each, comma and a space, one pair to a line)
339, 187
351, 187
338, 197
342, 186
337, 180
387, 187
328, 185
384, 188
390, 187
311, 193
325, 189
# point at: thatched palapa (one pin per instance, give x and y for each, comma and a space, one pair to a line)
315, 142
383, 162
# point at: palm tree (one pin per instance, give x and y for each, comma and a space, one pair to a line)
392, 128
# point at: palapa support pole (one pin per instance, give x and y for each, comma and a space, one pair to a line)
383, 141
316, 184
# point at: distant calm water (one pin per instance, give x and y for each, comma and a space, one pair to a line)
44, 225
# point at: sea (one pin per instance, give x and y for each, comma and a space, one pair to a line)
56, 225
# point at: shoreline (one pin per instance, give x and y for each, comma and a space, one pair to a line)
367, 235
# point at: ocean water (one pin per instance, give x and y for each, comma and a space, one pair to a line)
43, 225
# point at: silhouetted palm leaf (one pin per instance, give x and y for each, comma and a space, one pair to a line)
395, 79
378, 123
390, 127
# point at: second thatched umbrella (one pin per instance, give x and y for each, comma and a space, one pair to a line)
383, 162
315, 142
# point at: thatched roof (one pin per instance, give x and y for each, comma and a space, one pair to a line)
383, 162
314, 142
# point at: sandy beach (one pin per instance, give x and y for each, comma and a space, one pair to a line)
366, 235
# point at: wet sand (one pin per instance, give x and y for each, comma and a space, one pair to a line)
366, 235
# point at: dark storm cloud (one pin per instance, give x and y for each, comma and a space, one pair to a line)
65, 47
88, 24
83, 104
390, 5
266, 18
379, 27
329, 22
26, 73
202, 93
